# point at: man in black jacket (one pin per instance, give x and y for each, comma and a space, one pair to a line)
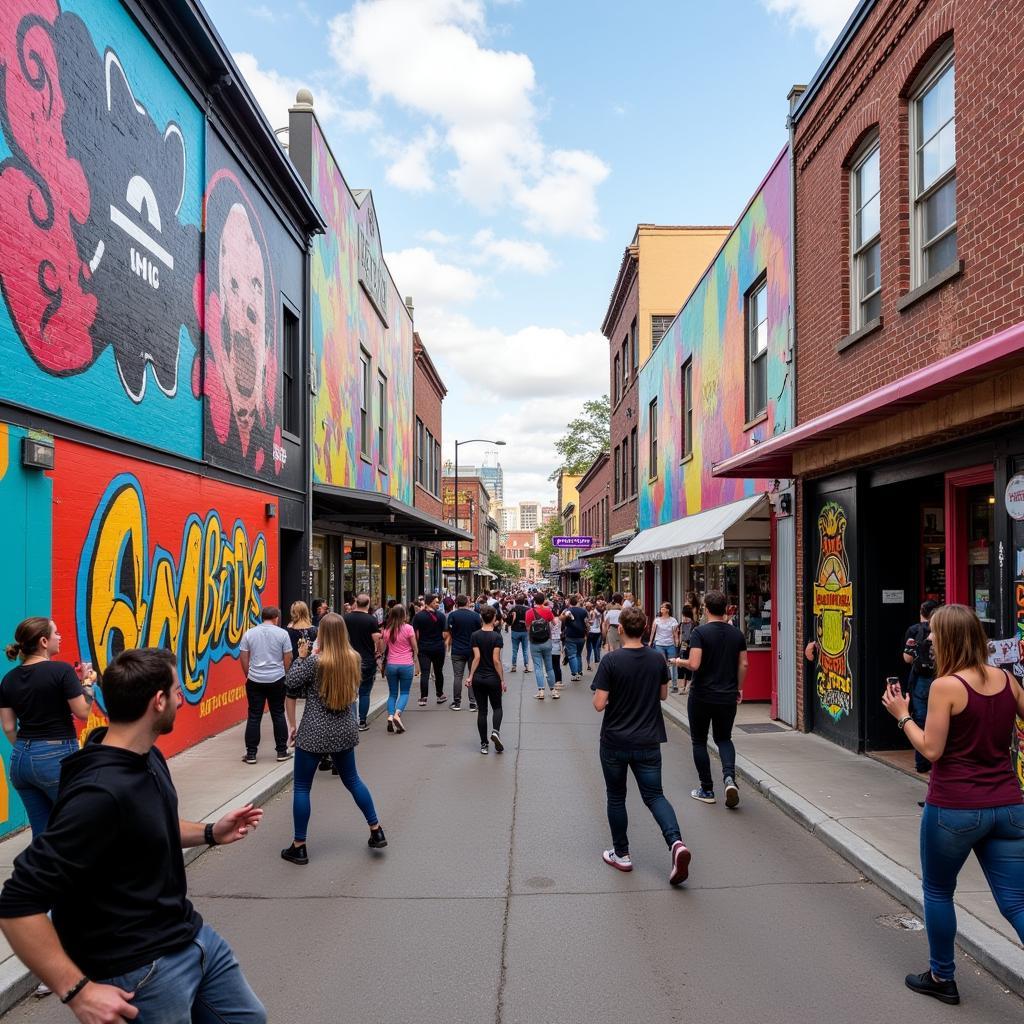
109, 867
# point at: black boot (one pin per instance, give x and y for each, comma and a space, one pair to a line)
944, 991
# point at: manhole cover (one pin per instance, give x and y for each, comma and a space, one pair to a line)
901, 922
435, 745
761, 727
540, 882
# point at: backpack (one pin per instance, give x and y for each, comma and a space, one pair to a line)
540, 630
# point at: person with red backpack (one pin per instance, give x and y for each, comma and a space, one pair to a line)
538, 626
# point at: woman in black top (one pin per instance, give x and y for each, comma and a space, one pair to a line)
486, 677
37, 700
300, 627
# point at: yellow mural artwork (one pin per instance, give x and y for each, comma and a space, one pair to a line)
833, 614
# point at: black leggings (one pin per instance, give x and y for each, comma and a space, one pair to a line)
483, 692
719, 719
428, 660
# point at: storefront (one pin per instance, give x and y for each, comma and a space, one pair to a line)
728, 549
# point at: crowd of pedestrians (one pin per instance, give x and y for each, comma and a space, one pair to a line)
100, 895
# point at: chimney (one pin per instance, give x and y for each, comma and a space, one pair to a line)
409, 306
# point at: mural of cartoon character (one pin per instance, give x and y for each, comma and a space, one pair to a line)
241, 375
833, 614
94, 188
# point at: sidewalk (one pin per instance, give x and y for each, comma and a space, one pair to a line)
210, 779
867, 812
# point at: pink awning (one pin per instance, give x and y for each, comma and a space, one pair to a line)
774, 458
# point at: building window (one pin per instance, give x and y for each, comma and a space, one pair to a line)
652, 439
634, 455
933, 171
437, 468
659, 328
625, 468
617, 379
419, 451
428, 460
364, 402
757, 350
686, 404
617, 471
382, 418
634, 348
625, 363
291, 402
865, 239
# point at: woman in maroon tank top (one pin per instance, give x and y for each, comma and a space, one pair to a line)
974, 801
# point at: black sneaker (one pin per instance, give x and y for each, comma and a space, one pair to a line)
472, 706
442, 699
944, 991
364, 726
732, 793
484, 749
296, 854
326, 764
377, 840
496, 740
249, 757
284, 755
456, 705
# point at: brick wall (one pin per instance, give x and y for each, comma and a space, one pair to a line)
622, 516
595, 504
427, 401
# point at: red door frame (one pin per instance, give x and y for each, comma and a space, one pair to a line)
774, 591
957, 483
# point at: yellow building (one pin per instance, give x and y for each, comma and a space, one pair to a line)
568, 500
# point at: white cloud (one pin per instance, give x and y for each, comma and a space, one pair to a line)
822, 17
263, 12
411, 169
436, 237
431, 283
429, 57
513, 254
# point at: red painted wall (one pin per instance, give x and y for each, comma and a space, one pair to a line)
144, 555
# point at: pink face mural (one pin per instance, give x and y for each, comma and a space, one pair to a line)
710, 335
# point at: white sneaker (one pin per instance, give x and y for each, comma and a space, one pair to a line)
622, 863
680, 863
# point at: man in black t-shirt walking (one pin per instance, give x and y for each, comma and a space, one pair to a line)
629, 686
431, 625
363, 634
718, 660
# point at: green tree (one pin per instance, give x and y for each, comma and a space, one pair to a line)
585, 437
545, 548
598, 574
503, 567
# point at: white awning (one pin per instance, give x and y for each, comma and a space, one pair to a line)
740, 522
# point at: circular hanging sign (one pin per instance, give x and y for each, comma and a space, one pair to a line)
1015, 497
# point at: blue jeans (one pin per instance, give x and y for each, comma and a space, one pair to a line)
574, 647
996, 835
645, 763
201, 983
35, 774
919, 687
521, 640
399, 684
670, 651
594, 648
305, 770
365, 686
541, 654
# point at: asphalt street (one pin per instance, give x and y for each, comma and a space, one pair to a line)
492, 903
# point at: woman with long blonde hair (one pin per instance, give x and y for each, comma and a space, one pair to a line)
974, 801
329, 682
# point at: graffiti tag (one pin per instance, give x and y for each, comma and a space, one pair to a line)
833, 614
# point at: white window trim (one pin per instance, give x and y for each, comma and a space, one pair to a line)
939, 64
857, 321
762, 286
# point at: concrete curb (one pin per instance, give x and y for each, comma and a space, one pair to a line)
997, 954
17, 982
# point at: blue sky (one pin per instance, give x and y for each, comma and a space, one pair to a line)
513, 145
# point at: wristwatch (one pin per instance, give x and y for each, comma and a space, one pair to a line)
208, 835
902, 723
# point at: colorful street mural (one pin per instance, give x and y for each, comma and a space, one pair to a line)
832, 609
710, 329
242, 330
157, 557
355, 305
26, 503
101, 168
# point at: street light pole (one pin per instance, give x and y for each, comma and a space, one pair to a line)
472, 440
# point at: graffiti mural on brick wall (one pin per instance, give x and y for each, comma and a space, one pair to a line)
1018, 752
349, 286
710, 333
162, 558
833, 614
100, 172
241, 383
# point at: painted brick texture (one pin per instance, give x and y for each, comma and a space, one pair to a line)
427, 404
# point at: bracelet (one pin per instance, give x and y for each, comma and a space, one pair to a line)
208, 835
902, 723
74, 990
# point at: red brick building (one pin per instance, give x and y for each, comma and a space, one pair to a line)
519, 547
909, 184
474, 516
595, 499
428, 394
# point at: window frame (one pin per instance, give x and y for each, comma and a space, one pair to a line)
291, 371
617, 378
382, 413
420, 475
634, 347
624, 348
943, 60
652, 439
436, 488
760, 285
633, 462
617, 468
869, 148
686, 405
364, 400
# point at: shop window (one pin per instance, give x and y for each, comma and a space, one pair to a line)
865, 238
291, 372
382, 419
364, 402
686, 405
652, 439
933, 170
757, 350
744, 576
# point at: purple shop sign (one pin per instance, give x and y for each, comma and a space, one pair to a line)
573, 542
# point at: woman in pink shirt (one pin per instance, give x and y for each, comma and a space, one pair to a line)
398, 645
